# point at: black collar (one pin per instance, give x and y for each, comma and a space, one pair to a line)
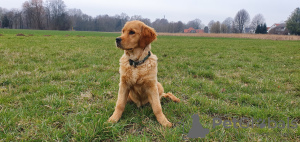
135, 63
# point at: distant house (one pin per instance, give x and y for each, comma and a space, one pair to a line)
279, 29
273, 26
249, 30
192, 30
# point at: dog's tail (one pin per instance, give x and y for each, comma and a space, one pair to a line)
171, 96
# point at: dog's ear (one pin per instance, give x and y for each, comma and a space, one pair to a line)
147, 36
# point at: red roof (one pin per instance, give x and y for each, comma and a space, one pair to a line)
192, 30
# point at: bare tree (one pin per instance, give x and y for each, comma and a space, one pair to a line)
140, 18
161, 25
257, 20
171, 27
75, 16
210, 24
17, 19
57, 8
124, 16
227, 25
179, 27
196, 24
241, 19
216, 27
29, 16
2, 12
175, 27
74, 12
11, 19
47, 9
57, 15
34, 11
224, 28
121, 20
136, 17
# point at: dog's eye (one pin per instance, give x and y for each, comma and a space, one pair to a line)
131, 32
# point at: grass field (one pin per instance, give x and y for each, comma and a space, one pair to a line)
63, 87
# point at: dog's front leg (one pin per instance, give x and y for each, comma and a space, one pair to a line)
121, 102
154, 100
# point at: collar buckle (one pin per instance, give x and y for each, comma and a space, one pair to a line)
136, 63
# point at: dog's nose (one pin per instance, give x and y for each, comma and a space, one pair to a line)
118, 39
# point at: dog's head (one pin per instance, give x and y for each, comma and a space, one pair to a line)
135, 34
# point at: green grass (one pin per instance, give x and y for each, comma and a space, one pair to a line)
64, 87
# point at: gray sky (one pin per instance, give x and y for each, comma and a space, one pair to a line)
274, 11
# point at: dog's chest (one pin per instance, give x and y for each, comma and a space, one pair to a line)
138, 75
135, 75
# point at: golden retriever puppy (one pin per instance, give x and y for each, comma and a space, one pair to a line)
138, 72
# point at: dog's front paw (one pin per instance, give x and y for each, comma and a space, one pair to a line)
167, 124
112, 120
176, 100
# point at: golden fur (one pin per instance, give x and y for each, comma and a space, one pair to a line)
139, 84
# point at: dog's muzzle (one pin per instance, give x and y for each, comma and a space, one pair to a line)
118, 40
118, 44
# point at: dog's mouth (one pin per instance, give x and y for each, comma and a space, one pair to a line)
119, 45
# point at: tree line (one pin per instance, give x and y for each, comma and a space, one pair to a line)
36, 14
53, 15
239, 24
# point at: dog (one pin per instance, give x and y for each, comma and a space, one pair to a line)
138, 72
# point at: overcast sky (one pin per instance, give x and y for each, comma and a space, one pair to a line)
274, 11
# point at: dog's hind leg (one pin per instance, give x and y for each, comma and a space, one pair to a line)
166, 95
154, 99
171, 96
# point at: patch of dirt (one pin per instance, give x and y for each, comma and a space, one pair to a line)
67, 112
185, 97
21, 129
58, 125
221, 116
2, 89
30, 35
86, 95
108, 95
1, 34
20, 34
48, 106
